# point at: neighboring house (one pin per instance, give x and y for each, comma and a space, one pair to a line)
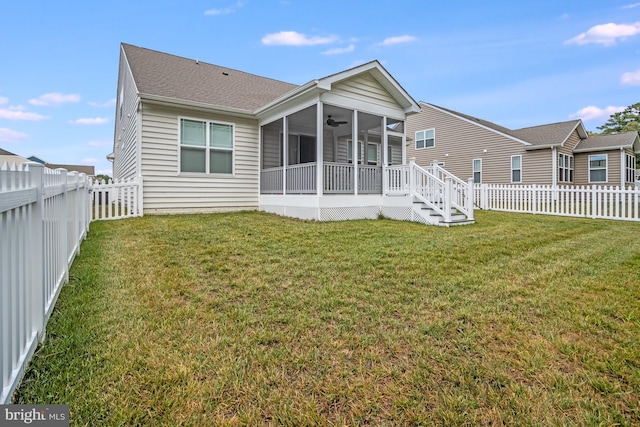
10, 159
206, 138
553, 154
87, 170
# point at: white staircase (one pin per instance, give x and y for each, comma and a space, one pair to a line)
439, 197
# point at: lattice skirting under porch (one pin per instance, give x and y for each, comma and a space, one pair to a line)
346, 213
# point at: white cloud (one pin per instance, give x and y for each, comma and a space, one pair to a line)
606, 34
90, 160
90, 121
55, 98
292, 38
4, 100
339, 50
105, 104
631, 78
18, 113
592, 112
630, 6
11, 136
397, 40
224, 11
100, 143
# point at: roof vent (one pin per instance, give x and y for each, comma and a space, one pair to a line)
197, 62
224, 73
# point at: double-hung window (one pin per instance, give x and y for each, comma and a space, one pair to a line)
630, 168
565, 168
477, 171
598, 168
516, 169
206, 147
425, 138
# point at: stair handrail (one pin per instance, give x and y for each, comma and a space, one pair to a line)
441, 188
463, 191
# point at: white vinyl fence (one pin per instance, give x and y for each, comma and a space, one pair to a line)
116, 199
579, 201
44, 216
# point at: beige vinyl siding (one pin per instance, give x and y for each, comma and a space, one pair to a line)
458, 142
365, 88
537, 167
614, 176
168, 190
125, 143
570, 143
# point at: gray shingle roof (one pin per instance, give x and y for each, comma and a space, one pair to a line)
169, 76
6, 153
601, 142
537, 136
550, 134
482, 122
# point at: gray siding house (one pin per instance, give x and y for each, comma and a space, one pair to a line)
552, 154
205, 138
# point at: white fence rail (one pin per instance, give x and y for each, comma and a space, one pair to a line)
44, 216
579, 201
116, 199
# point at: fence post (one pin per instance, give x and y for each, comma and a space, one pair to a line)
63, 245
139, 197
483, 196
448, 191
470, 197
36, 174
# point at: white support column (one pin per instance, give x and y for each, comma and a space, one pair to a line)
319, 150
385, 154
285, 153
385, 142
623, 168
554, 167
355, 144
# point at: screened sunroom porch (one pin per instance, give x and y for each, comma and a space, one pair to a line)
311, 152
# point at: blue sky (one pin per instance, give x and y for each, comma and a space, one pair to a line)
516, 63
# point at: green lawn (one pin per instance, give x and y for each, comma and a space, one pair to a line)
255, 319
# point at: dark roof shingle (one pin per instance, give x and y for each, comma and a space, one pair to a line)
169, 76
608, 141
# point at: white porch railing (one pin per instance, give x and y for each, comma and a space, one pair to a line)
271, 181
301, 179
44, 216
433, 186
337, 179
579, 201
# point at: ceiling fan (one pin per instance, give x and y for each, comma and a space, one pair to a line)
334, 123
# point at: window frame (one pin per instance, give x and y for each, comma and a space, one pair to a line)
425, 139
519, 169
473, 170
630, 168
566, 167
606, 168
208, 148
